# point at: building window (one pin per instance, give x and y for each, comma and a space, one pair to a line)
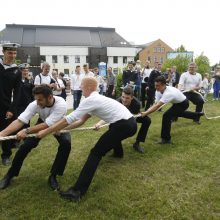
155, 59
149, 59
162, 49
54, 59
42, 59
115, 59
66, 59
158, 50
115, 70
125, 60
87, 59
155, 49
66, 71
98, 58
161, 59
77, 59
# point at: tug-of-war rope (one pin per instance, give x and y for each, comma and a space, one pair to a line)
105, 125
62, 131
204, 109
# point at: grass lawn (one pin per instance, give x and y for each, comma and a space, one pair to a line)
178, 181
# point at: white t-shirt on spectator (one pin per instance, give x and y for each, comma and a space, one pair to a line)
50, 115
43, 80
189, 81
170, 95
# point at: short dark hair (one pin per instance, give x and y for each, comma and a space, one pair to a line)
128, 91
43, 89
161, 79
61, 74
85, 65
77, 66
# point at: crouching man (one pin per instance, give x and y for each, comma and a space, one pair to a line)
50, 110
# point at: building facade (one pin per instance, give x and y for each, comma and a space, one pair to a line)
155, 51
65, 47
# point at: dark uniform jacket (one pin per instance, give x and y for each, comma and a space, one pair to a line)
10, 81
151, 81
128, 76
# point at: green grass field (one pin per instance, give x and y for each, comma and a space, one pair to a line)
178, 181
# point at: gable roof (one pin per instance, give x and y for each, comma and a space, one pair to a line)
46, 35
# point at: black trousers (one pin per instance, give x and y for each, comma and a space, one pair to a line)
143, 94
59, 163
150, 98
176, 110
196, 99
77, 94
145, 124
9, 144
112, 138
109, 92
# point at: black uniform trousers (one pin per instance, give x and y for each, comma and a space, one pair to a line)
176, 110
109, 92
145, 124
150, 98
143, 93
196, 99
112, 138
59, 163
9, 144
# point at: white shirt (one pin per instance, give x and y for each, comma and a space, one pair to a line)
59, 84
189, 81
103, 107
89, 74
76, 80
170, 94
44, 80
205, 83
146, 73
50, 115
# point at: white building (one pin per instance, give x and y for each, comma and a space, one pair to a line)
66, 47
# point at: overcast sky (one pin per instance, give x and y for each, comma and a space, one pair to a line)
195, 24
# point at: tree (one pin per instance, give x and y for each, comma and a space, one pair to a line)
181, 49
202, 63
181, 62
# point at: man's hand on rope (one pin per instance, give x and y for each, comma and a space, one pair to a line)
21, 134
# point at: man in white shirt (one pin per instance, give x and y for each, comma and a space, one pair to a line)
122, 126
87, 72
190, 82
144, 83
76, 79
167, 94
50, 110
44, 77
59, 84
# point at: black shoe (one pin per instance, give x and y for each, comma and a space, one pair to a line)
5, 182
197, 122
138, 148
164, 141
52, 181
71, 194
6, 161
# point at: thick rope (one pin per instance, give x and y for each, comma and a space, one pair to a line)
62, 131
205, 114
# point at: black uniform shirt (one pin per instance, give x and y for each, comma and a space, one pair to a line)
10, 81
134, 107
